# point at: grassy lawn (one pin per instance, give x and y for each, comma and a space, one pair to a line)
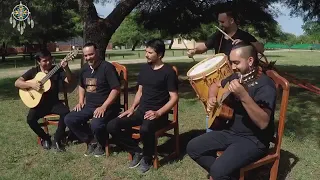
22, 158
20, 62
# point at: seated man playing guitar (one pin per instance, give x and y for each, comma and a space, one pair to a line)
49, 103
251, 127
157, 94
99, 89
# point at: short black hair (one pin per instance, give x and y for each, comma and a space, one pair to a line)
229, 10
90, 44
157, 45
42, 53
250, 51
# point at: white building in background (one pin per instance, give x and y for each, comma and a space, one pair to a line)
178, 44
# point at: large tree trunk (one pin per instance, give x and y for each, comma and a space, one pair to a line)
99, 30
134, 45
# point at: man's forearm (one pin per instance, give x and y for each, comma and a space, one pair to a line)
111, 98
201, 48
68, 74
256, 114
81, 95
168, 106
213, 90
136, 100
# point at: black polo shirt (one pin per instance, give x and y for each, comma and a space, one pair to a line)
264, 94
98, 83
226, 44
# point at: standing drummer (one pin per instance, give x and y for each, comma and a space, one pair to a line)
222, 44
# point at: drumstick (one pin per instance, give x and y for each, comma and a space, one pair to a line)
224, 33
186, 48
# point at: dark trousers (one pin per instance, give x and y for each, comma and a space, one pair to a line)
77, 122
239, 151
147, 132
38, 112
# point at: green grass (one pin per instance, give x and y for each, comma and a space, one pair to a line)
20, 62
22, 158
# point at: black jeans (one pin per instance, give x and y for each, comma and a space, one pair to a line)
147, 132
239, 151
77, 122
38, 112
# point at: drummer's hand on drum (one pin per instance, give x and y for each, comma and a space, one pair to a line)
236, 41
191, 53
211, 103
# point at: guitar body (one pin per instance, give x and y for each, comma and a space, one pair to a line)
222, 111
31, 97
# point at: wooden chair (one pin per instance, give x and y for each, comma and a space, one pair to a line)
53, 119
173, 124
123, 73
274, 152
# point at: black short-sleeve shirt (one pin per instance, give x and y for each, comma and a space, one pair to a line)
264, 94
226, 45
156, 85
98, 83
51, 96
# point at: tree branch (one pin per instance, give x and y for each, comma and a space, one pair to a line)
119, 13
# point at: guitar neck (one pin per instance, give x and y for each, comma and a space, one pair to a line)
49, 75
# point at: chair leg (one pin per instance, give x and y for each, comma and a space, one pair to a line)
176, 134
274, 169
45, 127
156, 159
107, 149
241, 174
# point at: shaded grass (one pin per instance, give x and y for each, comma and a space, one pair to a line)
22, 158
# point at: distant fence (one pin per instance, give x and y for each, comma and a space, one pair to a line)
295, 46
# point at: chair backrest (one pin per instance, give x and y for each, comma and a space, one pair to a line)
174, 111
284, 84
123, 73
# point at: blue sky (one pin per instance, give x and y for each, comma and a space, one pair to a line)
288, 24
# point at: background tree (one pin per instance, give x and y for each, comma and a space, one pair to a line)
131, 33
55, 20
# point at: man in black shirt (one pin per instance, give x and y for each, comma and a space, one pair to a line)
99, 88
157, 94
49, 102
222, 44
252, 126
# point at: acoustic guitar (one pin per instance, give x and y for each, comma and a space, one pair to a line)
31, 97
222, 109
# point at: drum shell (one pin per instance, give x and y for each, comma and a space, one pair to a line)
202, 81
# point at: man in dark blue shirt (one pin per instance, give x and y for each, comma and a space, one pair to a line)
99, 88
251, 127
156, 96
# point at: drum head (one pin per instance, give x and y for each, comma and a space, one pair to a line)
206, 66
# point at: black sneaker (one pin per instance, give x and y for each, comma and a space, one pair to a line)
58, 146
46, 144
90, 148
135, 160
145, 164
99, 151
